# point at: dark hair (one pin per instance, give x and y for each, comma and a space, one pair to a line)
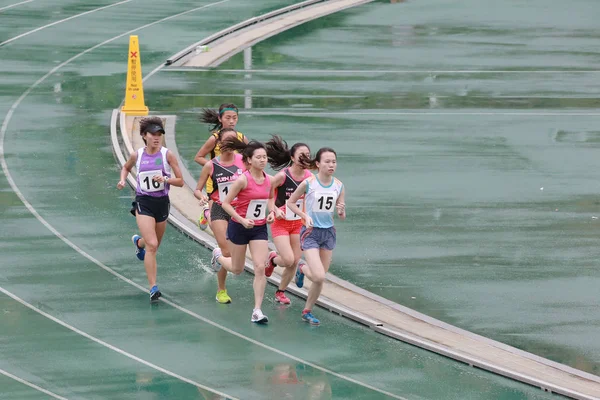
312, 164
211, 116
224, 131
246, 150
280, 156
146, 122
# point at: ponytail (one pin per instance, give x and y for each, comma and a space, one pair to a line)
280, 156
278, 153
246, 150
312, 163
211, 116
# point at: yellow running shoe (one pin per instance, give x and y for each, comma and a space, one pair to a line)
223, 297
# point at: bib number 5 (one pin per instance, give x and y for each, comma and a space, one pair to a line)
257, 209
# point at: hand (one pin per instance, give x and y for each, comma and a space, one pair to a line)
247, 223
203, 199
308, 222
271, 217
341, 210
279, 214
160, 178
121, 185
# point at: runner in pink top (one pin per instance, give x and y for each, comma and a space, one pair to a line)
251, 192
252, 200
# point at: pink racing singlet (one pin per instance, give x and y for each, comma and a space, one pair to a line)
252, 201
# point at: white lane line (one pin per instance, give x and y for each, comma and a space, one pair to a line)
61, 21
31, 385
111, 347
34, 212
376, 71
358, 113
16, 4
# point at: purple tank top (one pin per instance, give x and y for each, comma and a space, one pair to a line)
148, 166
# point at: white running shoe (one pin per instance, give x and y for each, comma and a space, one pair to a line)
214, 261
258, 317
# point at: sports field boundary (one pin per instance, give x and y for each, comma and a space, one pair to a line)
341, 297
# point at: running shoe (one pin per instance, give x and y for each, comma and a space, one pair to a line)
270, 264
280, 297
140, 252
203, 220
155, 293
214, 261
308, 317
299, 279
223, 297
258, 317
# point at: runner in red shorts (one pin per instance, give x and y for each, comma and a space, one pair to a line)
286, 227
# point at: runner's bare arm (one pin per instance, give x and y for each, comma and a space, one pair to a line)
206, 148
202, 181
126, 170
178, 180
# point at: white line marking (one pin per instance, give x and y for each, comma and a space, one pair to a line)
34, 212
375, 71
31, 385
358, 113
61, 21
110, 346
16, 4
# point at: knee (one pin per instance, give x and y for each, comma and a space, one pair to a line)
259, 270
318, 277
151, 245
237, 271
287, 261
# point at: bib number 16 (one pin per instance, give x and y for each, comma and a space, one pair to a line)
148, 184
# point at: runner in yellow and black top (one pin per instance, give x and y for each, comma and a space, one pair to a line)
225, 117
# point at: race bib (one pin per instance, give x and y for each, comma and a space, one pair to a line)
324, 201
149, 185
289, 214
257, 209
224, 190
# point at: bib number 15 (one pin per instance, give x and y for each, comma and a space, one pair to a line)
324, 202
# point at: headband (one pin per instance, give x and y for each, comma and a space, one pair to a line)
228, 109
